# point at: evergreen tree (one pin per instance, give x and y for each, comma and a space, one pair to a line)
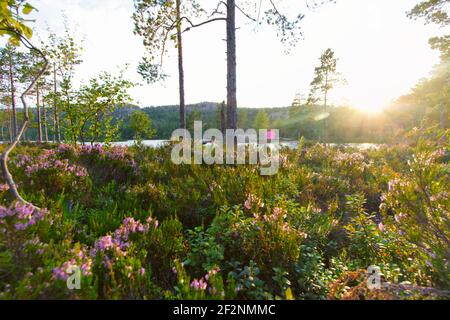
325, 79
261, 121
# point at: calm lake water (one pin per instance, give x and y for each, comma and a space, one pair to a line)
150, 143
289, 144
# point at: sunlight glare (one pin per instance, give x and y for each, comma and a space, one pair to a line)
370, 105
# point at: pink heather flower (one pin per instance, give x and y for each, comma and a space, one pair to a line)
252, 200
381, 227
59, 273
64, 147
105, 243
199, 284
392, 183
86, 268
142, 271
4, 187
247, 204
68, 267
118, 241
24, 211
116, 153
23, 215
174, 270
20, 226
279, 213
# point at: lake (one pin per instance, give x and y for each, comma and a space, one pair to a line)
289, 144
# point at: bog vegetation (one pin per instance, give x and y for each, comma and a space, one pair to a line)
134, 225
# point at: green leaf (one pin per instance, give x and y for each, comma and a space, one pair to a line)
27, 8
289, 295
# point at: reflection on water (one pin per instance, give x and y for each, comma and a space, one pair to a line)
149, 143
289, 144
360, 146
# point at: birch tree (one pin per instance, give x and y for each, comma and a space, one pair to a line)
13, 26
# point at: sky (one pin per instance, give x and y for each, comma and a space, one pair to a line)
382, 53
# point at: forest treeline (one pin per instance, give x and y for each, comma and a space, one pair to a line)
108, 110
345, 124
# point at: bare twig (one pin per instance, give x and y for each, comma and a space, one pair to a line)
245, 13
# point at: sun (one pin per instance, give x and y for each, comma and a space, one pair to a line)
370, 105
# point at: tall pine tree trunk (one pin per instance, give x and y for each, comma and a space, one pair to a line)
44, 120
57, 136
325, 99
10, 130
38, 110
231, 65
223, 117
13, 97
180, 66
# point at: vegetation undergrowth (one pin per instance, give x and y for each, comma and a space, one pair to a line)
137, 226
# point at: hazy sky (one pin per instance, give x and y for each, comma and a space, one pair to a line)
381, 53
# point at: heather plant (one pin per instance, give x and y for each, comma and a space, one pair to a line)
51, 174
417, 204
108, 164
19, 224
31, 245
209, 286
226, 232
265, 238
118, 260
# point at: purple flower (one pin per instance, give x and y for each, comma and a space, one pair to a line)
251, 201
22, 215
199, 284
105, 243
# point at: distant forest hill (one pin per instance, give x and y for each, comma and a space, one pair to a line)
165, 119
343, 124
